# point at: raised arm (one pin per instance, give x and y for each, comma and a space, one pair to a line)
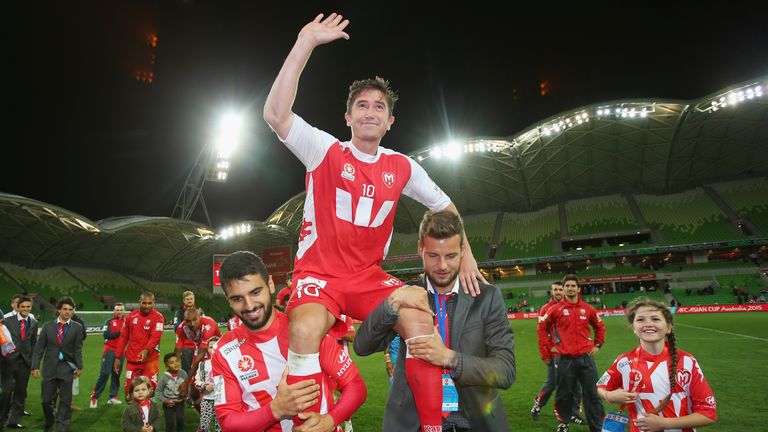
277, 109
469, 273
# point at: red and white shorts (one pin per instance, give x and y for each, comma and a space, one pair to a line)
353, 295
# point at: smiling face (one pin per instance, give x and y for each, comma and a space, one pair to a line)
250, 298
557, 292
651, 327
369, 116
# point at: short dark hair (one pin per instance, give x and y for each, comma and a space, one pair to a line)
16, 297
21, 299
572, 277
558, 282
441, 225
239, 265
63, 301
169, 356
377, 83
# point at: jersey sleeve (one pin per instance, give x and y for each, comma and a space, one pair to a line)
703, 399
179, 337
308, 143
421, 188
227, 401
611, 379
597, 324
157, 333
542, 331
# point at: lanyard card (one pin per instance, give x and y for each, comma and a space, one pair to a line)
615, 422
450, 395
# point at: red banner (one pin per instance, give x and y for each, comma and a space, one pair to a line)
625, 278
759, 307
278, 262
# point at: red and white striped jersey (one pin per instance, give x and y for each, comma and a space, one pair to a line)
634, 371
349, 209
247, 367
233, 322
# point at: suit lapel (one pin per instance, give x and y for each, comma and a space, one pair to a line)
459, 318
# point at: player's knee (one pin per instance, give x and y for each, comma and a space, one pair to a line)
308, 330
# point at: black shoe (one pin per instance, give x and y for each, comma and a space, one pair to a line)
15, 426
535, 411
577, 420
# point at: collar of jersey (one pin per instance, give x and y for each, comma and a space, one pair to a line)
362, 157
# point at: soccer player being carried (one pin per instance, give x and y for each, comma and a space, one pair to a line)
352, 190
249, 363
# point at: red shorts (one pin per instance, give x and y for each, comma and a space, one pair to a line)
354, 295
148, 369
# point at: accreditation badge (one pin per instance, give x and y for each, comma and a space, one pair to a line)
615, 422
450, 394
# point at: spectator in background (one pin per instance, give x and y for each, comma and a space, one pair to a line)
112, 329
281, 300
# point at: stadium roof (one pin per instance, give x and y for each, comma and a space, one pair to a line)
37, 234
646, 146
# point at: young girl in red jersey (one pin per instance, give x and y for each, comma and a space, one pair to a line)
640, 379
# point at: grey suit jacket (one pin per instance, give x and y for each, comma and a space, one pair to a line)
48, 349
480, 333
25, 348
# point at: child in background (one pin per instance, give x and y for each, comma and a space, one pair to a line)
140, 415
640, 379
204, 382
168, 393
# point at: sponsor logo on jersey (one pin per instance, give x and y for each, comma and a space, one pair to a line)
246, 364
635, 376
231, 348
388, 178
566, 312
135, 321
343, 356
683, 377
392, 282
583, 312
710, 400
159, 327
348, 172
604, 379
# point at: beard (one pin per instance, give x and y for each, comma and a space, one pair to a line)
445, 282
257, 325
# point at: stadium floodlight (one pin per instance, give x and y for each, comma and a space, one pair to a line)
235, 230
212, 164
732, 98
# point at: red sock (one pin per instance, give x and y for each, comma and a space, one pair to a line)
426, 383
303, 367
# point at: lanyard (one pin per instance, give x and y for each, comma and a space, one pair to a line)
442, 317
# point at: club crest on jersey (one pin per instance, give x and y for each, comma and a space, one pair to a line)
248, 367
683, 377
348, 172
388, 178
566, 312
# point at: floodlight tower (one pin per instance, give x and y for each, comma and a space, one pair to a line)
212, 164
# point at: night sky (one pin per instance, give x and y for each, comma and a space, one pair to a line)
88, 137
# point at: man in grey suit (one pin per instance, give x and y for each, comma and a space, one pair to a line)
14, 374
60, 346
479, 357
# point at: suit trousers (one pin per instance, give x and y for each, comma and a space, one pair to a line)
14, 377
58, 386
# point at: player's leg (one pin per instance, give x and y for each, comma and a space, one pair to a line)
310, 321
424, 378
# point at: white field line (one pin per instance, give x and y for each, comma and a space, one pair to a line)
722, 332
